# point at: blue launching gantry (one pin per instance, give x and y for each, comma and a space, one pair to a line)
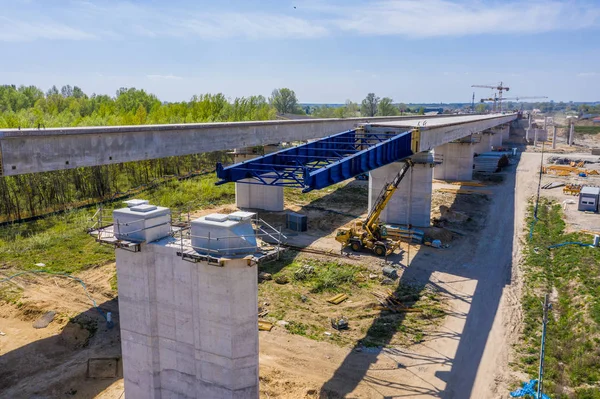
324, 162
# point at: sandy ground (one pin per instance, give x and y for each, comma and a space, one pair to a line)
467, 356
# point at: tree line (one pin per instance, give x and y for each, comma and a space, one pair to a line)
30, 107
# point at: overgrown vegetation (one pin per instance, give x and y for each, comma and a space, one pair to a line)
61, 241
571, 274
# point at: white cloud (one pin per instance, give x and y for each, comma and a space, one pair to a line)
112, 20
587, 74
164, 77
20, 31
432, 18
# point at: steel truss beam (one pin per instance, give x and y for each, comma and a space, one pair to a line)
321, 163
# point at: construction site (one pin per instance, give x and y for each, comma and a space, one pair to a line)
388, 257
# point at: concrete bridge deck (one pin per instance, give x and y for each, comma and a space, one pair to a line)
41, 150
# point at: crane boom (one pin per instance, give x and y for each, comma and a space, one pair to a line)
371, 223
500, 87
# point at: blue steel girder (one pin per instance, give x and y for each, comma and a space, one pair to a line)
323, 162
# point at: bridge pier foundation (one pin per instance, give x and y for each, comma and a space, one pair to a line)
188, 329
496, 139
257, 196
457, 163
484, 144
411, 204
505, 133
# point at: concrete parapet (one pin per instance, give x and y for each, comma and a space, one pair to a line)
457, 161
411, 204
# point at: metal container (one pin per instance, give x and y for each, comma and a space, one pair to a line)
296, 222
597, 240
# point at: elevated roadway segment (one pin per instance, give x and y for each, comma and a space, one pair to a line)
41, 150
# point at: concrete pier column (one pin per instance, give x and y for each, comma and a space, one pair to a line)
188, 329
482, 142
554, 137
496, 138
411, 203
257, 196
505, 133
457, 161
571, 133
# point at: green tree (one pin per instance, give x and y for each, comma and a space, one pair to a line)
403, 108
284, 100
351, 109
369, 105
421, 111
480, 108
386, 107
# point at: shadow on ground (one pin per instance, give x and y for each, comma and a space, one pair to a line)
57, 366
488, 261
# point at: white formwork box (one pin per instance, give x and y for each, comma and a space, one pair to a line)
143, 223
220, 234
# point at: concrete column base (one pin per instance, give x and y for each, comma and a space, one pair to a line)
257, 196
484, 144
188, 330
457, 161
411, 204
506, 134
496, 140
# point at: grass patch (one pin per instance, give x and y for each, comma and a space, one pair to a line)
10, 293
317, 276
113, 282
573, 335
587, 129
61, 241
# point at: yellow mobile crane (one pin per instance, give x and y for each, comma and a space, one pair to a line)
372, 236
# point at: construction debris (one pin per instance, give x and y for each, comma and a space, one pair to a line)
468, 183
550, 186
572, 189
282, 279
337, 299
264, 325
391, 302
339, 323
390, 272
464, 191
264, 276
402, 233
303, 272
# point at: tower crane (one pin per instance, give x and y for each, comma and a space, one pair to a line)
500, 87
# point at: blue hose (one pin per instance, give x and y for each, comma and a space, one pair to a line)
562, 244
109, 324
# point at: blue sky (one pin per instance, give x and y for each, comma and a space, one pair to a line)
327, 51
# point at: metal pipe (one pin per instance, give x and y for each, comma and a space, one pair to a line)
540, 390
